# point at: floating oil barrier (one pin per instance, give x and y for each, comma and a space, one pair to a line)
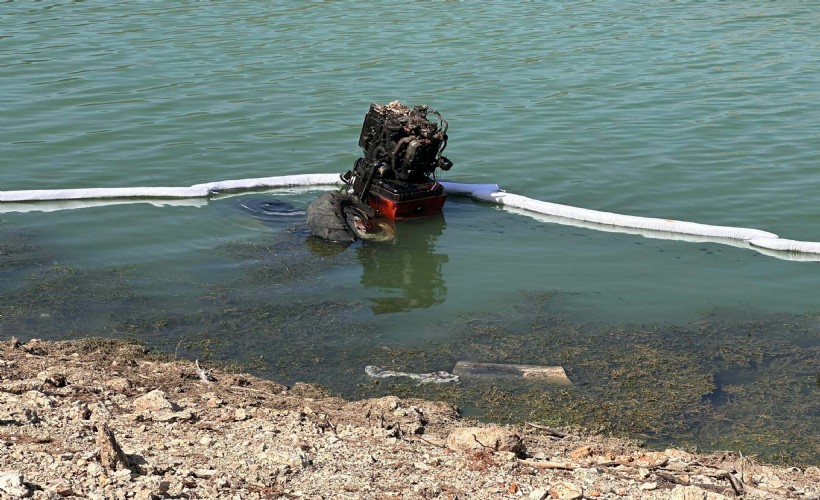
762, 241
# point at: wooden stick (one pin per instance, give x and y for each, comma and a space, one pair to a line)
550, 430
547, 465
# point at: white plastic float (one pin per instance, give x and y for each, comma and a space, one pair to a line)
763, 241
196, 191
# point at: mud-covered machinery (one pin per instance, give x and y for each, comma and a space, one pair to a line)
402, 150
394, 180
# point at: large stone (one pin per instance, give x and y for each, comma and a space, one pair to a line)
111, 455
485, 439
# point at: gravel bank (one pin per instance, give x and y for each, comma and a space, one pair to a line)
107, 419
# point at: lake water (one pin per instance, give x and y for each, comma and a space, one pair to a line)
701, 112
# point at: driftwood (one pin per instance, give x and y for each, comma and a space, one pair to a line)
549, 374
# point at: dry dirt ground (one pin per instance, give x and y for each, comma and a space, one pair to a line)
105, 419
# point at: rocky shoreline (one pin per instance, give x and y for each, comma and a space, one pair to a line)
107, 419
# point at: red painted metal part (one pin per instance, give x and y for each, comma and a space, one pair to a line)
406, 209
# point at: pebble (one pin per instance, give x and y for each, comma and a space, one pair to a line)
566, 491
538, 494
649, 486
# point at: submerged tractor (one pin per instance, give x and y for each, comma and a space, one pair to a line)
394, 180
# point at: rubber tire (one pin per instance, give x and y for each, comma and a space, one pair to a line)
327, 219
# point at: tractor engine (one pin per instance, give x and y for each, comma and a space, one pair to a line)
393, 180
402, 150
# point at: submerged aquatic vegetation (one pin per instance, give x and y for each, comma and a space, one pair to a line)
292, 260
19, 253
61, 302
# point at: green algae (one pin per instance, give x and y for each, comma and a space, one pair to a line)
60, 302
19, 252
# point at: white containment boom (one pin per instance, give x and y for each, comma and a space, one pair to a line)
763, 241
195, 191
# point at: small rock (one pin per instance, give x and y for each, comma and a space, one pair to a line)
31, 416
299, 459
11, 483
82, 410
240, 414
582, 453
153, 401
694, 493
212, 400
94, 469
485, 438
51, 378
145, 494
61, 488
124, 475
649, 486
539, 494
506, 456
118, 384
39, 399
566, 491
205, 473
768, 481
644, 459
46, 494
169, 416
